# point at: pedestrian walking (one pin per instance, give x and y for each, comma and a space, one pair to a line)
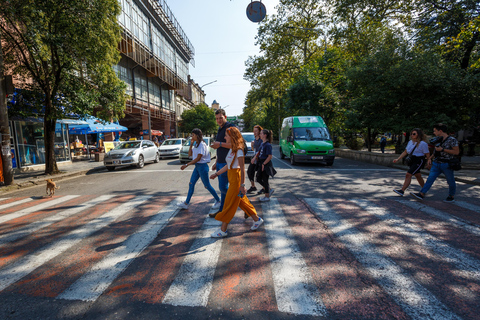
446, 150
383, 143
236, 194
264, 163
223, 148
252, 167
417, 152
200, 158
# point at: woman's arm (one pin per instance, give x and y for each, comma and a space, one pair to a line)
241, 163
404, 153
269, 158
219, 172
198, 158
190, 149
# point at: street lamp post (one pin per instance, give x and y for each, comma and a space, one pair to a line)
206, 84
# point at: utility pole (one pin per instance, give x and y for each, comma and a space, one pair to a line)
4, 128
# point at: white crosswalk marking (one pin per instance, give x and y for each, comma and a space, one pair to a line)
15, 203
92, 284
466, 265
193, 283
468, 206
34, 226
295, 289
24, 266
456, 221
415, 300
38, 207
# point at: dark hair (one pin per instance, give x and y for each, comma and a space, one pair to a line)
441, 127
420, 133
269, 135
222, 111
199, 134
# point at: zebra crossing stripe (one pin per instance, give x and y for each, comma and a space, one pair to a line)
294, 287
466, 265
34, 226
194, 280
414, 299
38, 207
93, 283
468, 206
456, 221
24, 266
15, 203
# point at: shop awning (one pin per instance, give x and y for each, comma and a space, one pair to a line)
72, 122
95, 125
156, 133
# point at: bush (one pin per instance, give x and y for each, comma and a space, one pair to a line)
339, 142
355, 143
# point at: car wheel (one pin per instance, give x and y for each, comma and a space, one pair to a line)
292, 159
282, 155
329, 163
110, 168
157, 158
141, 161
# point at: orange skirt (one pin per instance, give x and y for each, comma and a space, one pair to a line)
233, 201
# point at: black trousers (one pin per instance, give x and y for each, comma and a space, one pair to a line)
252, 168
262, 177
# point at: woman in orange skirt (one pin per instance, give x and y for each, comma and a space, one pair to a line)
236, 194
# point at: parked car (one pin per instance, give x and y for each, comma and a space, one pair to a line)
249, 137
170, 148
184, 158
130, 153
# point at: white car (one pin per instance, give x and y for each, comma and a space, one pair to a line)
130, 153
184, 158
249, 137
170, 148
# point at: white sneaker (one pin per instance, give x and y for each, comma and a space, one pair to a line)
272, 191
182, 205
217, 204
219, 234
264, 199
257, 224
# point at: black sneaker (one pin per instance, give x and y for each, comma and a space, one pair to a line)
246, 216
400, 192
261, 191
449, 199
251, 190
213, 215
417, 195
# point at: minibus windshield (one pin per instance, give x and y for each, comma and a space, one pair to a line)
311, 134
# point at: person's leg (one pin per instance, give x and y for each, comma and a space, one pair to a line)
222, 184
251, 174
265, 183
420, 180
191, 187
452, 185
408, 180
434, 173
203, 171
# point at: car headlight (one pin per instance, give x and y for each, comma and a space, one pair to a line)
331, 151
131, 153
300, 151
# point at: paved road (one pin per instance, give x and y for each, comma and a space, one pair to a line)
336, 244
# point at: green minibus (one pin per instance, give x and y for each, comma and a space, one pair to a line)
306, 139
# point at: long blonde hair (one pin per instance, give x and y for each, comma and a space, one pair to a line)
236, 141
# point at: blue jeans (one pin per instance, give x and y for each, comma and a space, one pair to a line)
435, 171
200, 171
222, 183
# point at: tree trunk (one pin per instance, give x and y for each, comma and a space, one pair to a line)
49, 129
4, 129
369, 139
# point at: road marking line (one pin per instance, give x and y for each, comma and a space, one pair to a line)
456, 221
38, 207
466, 265
468, 206
288, 164
93, 283
24, 266
1, 199
15, 203
415, 300
34, 226
295, 289
194, 280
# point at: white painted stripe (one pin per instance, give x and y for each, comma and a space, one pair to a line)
93, 283
24, 266
38, 207
456, 221
15, 203
194, 280
34, 226
294, 287
1, 199
468, 206
415, 300
283, 162
465, 265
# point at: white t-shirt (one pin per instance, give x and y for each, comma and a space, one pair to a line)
203, 150
230, 157
420, 150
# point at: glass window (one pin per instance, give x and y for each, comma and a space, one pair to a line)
311, 134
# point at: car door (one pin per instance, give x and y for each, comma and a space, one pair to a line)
152, 150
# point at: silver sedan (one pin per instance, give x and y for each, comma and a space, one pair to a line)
130, 153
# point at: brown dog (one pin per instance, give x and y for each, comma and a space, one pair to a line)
51, 186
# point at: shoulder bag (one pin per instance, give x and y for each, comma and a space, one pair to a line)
409, 158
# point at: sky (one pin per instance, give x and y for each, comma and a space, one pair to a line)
223, 38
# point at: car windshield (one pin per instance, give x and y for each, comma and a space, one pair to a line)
311, 134
172, 142
129, 145
249, 137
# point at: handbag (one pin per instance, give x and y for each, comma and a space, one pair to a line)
409, 158
455, 164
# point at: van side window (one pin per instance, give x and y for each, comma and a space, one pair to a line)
290, 132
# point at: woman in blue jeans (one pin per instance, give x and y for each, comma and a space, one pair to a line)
201, 157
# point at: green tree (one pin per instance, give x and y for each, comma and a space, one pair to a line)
64, 52
201, 117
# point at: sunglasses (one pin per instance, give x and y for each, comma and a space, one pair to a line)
413, 134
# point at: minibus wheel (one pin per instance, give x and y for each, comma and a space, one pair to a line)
292, 159
282, 155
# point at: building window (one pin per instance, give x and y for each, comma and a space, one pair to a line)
125, 75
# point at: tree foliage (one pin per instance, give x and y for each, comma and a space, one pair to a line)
201, 117
63, 53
